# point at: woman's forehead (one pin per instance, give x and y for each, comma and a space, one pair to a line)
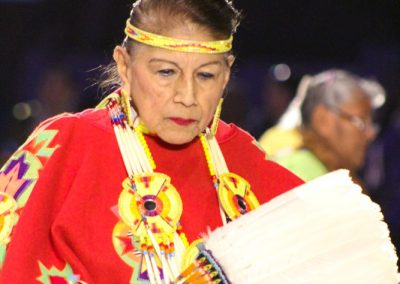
359, 104
152, 55
358, 97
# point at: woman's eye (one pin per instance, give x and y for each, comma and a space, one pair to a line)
166, 72
206, 75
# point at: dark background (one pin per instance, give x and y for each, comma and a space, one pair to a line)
47, 49
78, 35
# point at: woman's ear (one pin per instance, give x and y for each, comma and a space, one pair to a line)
122, 59
230, 60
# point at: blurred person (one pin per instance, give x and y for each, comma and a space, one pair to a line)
328, 126
92, 196
285, 136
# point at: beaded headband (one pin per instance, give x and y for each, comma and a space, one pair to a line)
218, 46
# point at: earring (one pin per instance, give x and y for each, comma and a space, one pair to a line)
214, 125
126, 106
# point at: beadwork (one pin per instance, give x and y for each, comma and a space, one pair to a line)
150, 207
218, 46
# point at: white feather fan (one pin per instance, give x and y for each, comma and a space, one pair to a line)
325, 231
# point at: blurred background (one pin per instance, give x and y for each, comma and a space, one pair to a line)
49, 51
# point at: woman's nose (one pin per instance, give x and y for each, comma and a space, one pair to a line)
185, 92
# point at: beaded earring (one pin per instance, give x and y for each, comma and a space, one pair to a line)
126, 106
217, 114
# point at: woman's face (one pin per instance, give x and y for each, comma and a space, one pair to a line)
350, 142
174, 93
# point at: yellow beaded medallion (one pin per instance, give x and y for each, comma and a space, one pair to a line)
235, 195
150, 200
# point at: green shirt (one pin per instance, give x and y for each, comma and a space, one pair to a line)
304, 164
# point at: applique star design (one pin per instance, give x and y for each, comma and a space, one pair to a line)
127, 244
11, 178
39, 146
56, 276
22, 170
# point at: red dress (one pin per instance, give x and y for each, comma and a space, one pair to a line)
71, 170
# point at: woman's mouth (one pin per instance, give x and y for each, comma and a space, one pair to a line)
182, 121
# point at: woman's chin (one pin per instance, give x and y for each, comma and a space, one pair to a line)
177, 137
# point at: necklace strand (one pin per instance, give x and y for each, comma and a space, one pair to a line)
139, 164
138, 161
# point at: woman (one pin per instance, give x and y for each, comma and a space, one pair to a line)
117, 194
334, 111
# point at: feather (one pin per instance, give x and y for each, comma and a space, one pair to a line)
325, 231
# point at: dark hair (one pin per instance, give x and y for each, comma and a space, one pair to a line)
218, 17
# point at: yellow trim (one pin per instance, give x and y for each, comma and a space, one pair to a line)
145, 147
207, 153
218, 46
126, 106
217, 114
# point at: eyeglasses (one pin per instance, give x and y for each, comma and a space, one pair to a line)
360, 123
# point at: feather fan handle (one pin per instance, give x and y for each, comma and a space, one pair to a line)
325, 231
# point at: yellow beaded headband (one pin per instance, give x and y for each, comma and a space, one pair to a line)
218, 46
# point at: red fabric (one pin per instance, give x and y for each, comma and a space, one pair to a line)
68, 218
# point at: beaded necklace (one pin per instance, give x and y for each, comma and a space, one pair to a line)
151, 206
